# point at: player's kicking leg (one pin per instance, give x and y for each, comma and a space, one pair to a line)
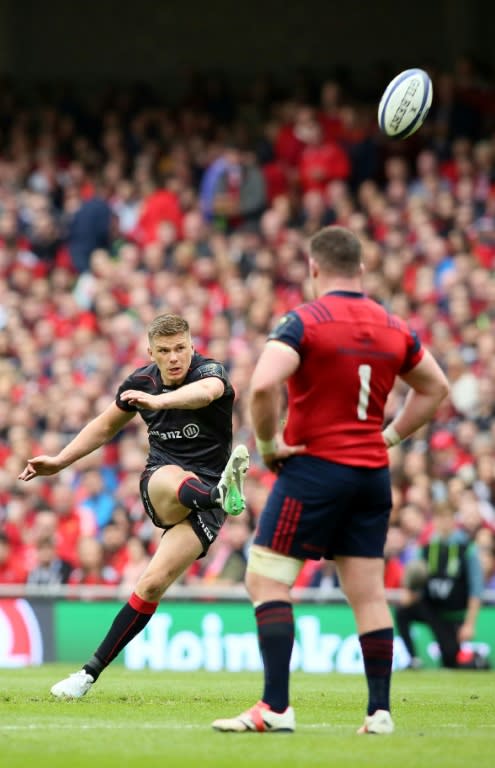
178, 548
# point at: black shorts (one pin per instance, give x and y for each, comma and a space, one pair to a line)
206, 523
318, 508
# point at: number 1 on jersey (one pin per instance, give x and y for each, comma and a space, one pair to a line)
364, 372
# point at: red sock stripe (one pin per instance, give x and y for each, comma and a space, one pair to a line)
273, 605
376, 643
282, 618
141, 605
378, 648
110, 656
377, 655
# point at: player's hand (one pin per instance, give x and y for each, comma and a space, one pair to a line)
275, 461
142, 400
465, 632
40, 465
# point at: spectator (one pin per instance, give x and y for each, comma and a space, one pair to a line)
394, 567
70, 526
115, 550
443, 590
11, 572
239, 193
89, 228
95, 498
138, 559
92, 569
160, 204
49, 568
322, 160
227, 564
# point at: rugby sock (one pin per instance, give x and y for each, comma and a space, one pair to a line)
377, 648
130, 620
194, 494
275, 623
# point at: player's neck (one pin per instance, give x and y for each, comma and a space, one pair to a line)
353, 284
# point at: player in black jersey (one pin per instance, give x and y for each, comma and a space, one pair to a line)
189, 482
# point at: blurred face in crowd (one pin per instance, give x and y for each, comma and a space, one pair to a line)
173, 355
46, 552
90, 553
444, 520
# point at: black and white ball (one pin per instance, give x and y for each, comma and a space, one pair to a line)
405, 103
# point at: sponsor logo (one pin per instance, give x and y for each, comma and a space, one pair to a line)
189, 431
20, 635
171, 434
209, 535
405, 104
211, 647
440, 589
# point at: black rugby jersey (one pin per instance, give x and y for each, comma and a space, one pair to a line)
199, 440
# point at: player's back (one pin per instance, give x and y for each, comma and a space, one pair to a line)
351, 351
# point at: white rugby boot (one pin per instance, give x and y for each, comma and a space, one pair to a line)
231, 483
379, 722
259, 718
73, 687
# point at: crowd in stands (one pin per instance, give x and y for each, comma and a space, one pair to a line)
116, 211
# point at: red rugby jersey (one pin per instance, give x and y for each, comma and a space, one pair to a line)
351, 350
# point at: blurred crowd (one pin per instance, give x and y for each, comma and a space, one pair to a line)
120, 207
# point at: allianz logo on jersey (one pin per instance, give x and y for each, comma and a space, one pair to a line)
189, 430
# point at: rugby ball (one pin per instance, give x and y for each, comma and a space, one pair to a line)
405, 103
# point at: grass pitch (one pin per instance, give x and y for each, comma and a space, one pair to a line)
147, 719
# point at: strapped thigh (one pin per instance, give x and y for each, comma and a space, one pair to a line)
273, 565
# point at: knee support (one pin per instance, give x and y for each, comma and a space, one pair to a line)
274, 566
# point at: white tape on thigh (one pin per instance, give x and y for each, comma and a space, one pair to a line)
273, 565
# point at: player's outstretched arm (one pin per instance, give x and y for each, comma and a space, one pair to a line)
197, 394
97, 432
429, 387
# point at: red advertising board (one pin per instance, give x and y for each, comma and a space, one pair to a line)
26, 632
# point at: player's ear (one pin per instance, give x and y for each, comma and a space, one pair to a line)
150, 353
314, 270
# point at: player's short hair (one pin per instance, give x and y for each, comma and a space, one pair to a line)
337, 250
167, 325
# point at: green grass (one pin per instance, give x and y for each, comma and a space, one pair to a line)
147, 719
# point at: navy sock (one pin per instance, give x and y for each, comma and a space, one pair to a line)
378, 648
129, 621
275, 623
194, 494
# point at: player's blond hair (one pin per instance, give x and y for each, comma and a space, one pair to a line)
167, 325
336, 250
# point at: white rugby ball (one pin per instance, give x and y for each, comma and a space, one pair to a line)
405, 103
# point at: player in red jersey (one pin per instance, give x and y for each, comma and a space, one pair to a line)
339, 356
